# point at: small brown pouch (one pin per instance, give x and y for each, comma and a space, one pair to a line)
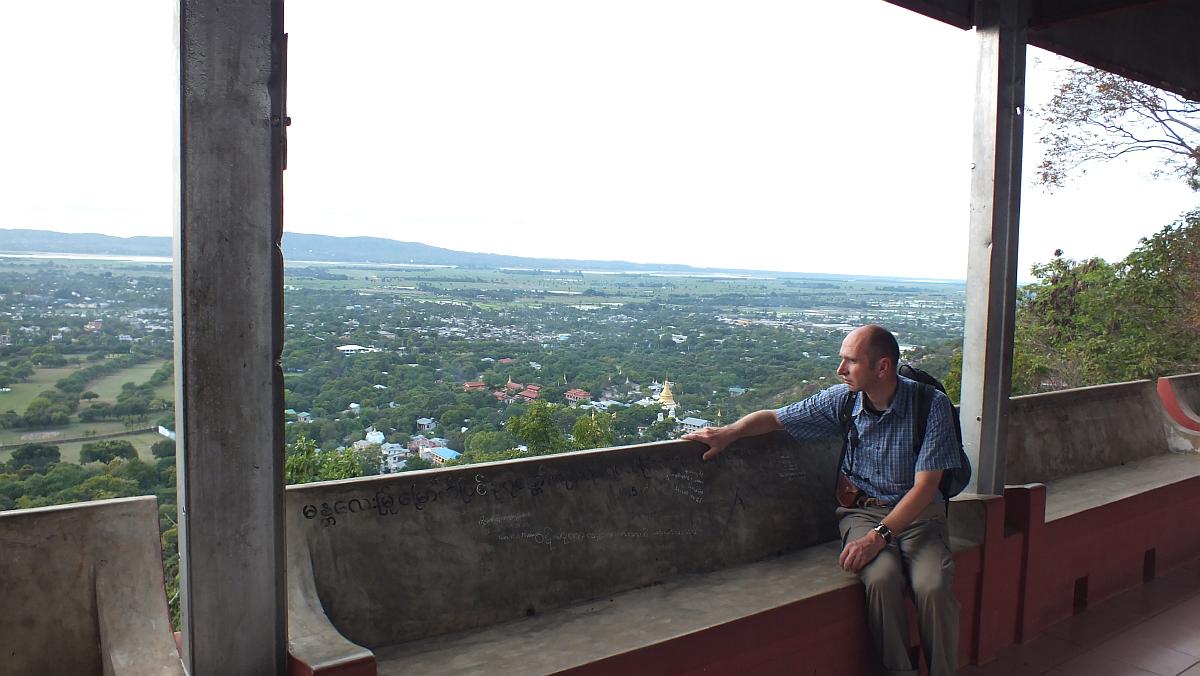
847, 493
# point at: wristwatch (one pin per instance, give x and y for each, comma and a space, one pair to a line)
884, 532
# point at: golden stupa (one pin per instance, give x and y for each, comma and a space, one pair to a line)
666, 398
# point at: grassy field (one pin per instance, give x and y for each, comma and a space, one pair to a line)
142, 441
166, 391
78, 429
23, 393
109, 386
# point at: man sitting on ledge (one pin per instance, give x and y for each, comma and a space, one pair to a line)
897, 524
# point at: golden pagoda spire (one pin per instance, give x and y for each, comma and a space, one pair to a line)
666, 398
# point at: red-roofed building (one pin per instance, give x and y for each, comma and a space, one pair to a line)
506, 360
474, 385
528, 394
577, 395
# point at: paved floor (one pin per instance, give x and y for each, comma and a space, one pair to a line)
1154, 629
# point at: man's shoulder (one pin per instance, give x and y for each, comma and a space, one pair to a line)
833, 395
836, 393
840, 390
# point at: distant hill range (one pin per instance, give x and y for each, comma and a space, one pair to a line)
302, 247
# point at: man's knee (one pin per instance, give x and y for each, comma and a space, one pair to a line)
933, 582
883, 577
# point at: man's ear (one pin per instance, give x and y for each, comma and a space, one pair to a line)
885, 366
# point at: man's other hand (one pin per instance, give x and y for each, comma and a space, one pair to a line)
716, 438
856, 555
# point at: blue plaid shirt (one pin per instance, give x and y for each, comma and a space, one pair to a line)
884, 464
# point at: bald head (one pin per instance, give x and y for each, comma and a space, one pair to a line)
879, 343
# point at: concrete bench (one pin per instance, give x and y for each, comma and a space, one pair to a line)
637, 556
795, 605
1107, 516
83, 591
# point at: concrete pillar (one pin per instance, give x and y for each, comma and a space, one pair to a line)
228, 336
992, 256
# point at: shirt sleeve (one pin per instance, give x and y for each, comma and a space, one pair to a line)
939, 450
814, 417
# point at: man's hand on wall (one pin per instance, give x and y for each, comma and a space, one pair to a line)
716, 438
856, 555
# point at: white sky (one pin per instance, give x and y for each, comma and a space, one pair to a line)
764, 134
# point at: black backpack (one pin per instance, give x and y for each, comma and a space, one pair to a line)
953, 480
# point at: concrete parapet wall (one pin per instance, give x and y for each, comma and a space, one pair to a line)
401, 557
83, 591
1058, 434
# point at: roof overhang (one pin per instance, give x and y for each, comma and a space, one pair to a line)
1151, 41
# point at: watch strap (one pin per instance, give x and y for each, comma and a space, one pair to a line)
884, 532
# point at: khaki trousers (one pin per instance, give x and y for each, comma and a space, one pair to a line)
918, 558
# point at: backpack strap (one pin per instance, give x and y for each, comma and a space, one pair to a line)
922, 403
846, 420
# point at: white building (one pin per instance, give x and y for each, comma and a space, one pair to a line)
355, 349
690, 424
394, 457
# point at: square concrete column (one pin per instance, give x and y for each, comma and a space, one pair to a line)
228, 336
992, 256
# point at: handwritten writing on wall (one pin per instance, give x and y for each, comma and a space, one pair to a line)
551, 538
630, 481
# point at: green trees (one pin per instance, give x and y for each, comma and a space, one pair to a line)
37, 456
306, 463
48, 409
1091, 322
163, 449
107, 449
68, 482
538, 430
594, 431
489, 442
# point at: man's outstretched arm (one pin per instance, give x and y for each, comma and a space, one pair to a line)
718, 438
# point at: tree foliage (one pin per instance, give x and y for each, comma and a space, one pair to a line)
163, 449
1090, 322
107, 449
594, 431
37, 456
538, 429
1097, 115
305, 462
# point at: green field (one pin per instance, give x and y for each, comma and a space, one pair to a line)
78, 429
109, 386
166, 391
70, 450
142, 441
23, 393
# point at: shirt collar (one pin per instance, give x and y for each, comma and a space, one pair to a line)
900, 402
